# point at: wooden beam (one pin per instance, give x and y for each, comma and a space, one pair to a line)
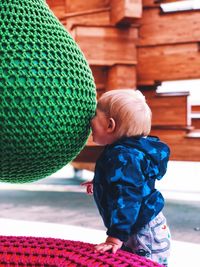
121, 76
156, 28
194, 134
195, 117
149, 3
114, 77
125, 11
154, 3
168, 62
169, 109
107, 46
196, 108
100, 74
95, 17
80, 5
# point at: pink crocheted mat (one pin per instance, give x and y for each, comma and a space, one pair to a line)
51, 252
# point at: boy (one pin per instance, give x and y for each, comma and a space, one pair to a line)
125, 175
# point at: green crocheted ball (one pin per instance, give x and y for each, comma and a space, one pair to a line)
47, 93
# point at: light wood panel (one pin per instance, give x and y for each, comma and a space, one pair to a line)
156, 28
149, 3
195, 116
196, 108
107, 46
81, 5
96, 17
169, 109
114, 77
196, 123
168, 62
100, 74
154, 3
125, 11
121, 76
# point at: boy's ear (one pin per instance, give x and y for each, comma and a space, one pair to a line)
111, 125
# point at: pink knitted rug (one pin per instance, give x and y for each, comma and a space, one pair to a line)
51, 252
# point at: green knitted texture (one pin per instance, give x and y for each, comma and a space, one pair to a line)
47, 93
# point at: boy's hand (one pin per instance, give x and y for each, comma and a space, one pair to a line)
111, 244
89, 187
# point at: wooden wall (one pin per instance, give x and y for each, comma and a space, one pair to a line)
130, 44
168, 46
168, 49
103, 45
109, 46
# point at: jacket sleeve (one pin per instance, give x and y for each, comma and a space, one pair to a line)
125, 181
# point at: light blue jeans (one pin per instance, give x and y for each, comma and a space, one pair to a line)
152, 241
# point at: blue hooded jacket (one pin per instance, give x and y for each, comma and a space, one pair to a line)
124, 184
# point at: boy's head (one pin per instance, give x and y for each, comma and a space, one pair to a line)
126, 111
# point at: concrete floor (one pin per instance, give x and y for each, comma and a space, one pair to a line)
61, 199
76, 208
61, 202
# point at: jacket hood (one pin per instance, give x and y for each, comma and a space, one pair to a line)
156, 154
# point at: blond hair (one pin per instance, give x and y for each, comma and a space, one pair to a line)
129, 109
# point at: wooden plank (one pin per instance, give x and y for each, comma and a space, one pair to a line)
97, 17
194, 134
154, 3
182, 148
196, 108
169, 109
168, 62
100, 74
148, 3
107, 45
125, 11
114, 77
196, 123
171, 28
80, 5
121, 76
195, 116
